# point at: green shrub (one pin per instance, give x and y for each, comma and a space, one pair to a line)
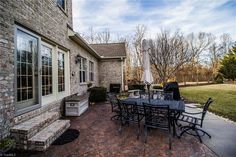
219, 78
137, 86
97, 94
6, 144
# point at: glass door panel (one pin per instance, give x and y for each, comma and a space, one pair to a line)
27, 72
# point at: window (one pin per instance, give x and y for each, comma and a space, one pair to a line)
61, 72
91, 71
82, 69
61, 3
46, 70
27, 46
53, 73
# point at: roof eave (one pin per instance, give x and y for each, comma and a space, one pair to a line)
113, 57
80, 41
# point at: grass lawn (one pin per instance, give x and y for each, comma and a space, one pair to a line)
224, 96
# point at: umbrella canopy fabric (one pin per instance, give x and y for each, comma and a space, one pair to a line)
147, 74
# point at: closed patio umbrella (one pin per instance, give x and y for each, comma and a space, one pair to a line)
147, 74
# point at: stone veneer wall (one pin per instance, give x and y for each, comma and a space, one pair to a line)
110, 72
46, 19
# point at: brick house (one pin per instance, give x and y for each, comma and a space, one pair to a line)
42, 61
112, 64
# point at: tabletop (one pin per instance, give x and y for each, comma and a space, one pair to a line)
173, 104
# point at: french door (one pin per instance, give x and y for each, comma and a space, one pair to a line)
27, 71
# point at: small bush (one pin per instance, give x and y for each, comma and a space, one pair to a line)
137, 86
219, 78
6, 144
157, 86
97, 94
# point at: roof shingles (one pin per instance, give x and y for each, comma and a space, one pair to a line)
110, 49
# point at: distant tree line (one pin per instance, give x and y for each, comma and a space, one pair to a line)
173, 55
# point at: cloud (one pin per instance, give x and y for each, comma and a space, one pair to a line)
122, 16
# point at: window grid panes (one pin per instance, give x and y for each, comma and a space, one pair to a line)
61, 72
91, 71
26, 48
46, 70
83, 69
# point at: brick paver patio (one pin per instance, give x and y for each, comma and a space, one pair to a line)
99, 137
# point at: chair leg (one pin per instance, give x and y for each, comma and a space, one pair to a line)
170, 140
174, 129
138, 130
204, 132
183, 127
185, 130
115, 117
199, 137
145, 134
121, 124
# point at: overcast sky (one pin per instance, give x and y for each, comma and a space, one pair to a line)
122, 16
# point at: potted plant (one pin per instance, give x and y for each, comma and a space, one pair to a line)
6, 144
89, 84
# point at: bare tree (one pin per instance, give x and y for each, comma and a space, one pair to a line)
226, 43
90, 36
138, 38
137, 49
198, 44
168, 53
104, 36
217, 50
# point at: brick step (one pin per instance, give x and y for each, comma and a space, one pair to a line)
43, 139
23, 131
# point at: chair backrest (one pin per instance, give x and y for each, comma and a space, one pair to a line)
132, 109
158, 95
113, 101
205, 108
173, 87
157, 116
168, 96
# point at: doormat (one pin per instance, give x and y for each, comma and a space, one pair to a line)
67, 137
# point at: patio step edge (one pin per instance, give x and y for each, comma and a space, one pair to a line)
25, 130
43, 139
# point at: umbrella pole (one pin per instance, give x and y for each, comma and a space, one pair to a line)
148, 86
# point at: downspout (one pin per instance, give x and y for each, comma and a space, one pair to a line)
122, 74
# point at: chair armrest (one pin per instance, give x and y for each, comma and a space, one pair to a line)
192, 112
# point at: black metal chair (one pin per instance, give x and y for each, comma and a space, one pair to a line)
114, 106
168, 95
132, 113
194, 121
157, 117
173, 87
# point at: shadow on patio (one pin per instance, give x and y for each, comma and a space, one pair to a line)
99, 136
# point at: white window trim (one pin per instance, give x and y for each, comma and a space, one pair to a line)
38, 105
93, 71
46, 99
56, 95
86, 70
66, 92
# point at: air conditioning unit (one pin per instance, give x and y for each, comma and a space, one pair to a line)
76, 105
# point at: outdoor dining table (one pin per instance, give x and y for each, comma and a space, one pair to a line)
176, 107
